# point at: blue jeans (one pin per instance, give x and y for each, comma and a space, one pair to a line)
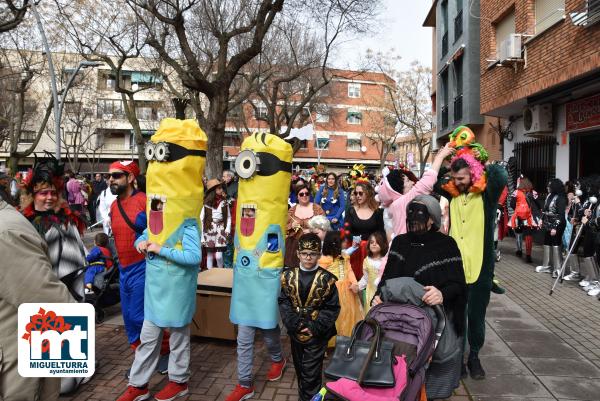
245, 350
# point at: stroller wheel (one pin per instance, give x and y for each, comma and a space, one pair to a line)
100, 315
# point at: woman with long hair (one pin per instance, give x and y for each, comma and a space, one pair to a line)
362, 220
553, 224
332, 200
298, 218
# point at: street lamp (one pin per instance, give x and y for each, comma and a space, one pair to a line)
58, 103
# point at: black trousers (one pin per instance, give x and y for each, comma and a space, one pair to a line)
308, 362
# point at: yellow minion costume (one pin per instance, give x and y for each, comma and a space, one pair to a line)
176, 154
264, 169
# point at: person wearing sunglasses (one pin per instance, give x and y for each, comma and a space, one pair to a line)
128, 222
298, 217
363, 219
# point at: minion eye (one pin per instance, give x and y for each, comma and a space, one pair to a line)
246, 164
149, 151
161, 152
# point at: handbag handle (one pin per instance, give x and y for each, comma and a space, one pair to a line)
374, 347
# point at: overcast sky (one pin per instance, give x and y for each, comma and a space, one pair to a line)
400, 27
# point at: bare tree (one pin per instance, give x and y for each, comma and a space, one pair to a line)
385, 129
12, 13
207, 42
411, 102
109, 33
18, 71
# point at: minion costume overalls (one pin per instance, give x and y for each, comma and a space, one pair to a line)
264, 166
176, 155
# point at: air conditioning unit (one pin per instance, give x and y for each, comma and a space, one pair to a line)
510, 48
537, 119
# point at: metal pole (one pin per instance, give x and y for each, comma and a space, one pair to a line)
52, 79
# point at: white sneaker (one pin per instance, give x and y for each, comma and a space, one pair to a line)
543, 269
572, 277
594, 292
592, 285
584, 283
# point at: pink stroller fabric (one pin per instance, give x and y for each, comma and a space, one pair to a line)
352, 391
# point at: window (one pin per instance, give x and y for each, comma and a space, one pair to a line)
260, 112
303, 144
444, 9
30, 106
444, 105
147, 110
353, 90
322, 141
458, 24
27, 136
354, 117
232, 138
322, 117
353, 143
110, 108
106, 80
504, 28
547, 13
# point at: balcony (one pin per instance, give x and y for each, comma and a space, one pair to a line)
445, 44
458, 100
458, 25
444, 116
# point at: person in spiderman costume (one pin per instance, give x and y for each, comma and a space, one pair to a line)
128, 221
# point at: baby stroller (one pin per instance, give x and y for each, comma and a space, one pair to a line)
415, 332
105, 291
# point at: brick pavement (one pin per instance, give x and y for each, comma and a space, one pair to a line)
569, 313
213, 369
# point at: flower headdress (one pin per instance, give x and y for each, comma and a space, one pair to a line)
474, 154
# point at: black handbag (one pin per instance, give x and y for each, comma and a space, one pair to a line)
368, 362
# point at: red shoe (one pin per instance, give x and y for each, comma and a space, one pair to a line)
134, 394
240, 393
276, 370
171, 391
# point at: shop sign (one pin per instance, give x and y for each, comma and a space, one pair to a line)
583, 113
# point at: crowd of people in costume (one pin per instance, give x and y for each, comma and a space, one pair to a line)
310, 252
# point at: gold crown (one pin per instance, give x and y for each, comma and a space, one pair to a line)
309, 245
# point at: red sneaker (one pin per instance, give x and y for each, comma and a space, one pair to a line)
276, 370
171, 391
134, 394
240, 393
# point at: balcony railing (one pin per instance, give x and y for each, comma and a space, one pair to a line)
458, 112
444, 116
444, 44
458, 25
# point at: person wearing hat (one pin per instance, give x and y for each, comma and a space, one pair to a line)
128, 222
399, 187
434, 260
309, 306
474, 189
216, 222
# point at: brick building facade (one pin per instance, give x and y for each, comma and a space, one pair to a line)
540, 72
351, 111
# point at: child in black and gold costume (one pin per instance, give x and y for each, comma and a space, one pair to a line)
309, 306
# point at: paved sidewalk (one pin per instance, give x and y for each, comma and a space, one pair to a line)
538, 347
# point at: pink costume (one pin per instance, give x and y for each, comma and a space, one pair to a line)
396, 203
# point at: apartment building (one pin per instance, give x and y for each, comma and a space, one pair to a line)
96, 131
455, 61
540, 73
352, 109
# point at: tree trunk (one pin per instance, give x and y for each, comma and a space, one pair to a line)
129, 107
13, 164
215, 131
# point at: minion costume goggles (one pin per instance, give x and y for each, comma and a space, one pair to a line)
264, 164
169, 152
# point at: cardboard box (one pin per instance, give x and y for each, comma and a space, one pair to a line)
213, 299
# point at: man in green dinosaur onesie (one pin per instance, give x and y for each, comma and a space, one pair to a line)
473, 191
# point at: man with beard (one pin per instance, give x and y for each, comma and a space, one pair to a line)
128, 221
473, 191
